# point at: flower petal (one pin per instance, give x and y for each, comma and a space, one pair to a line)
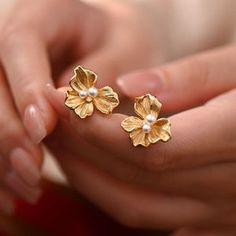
85, 109
83, 79
139, 138
160, 131
131, 123
72, 99
106, 100
146, 105
164, 123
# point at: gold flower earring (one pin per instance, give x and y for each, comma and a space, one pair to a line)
147, 129
83, 96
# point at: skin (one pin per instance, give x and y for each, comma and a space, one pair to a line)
35, 39
186, 184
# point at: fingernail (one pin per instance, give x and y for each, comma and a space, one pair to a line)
22, 190
34, 123
25, 167
140, 83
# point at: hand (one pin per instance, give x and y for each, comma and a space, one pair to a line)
35, 39
186, 184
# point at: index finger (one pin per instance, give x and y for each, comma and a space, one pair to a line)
200, 136
26, 64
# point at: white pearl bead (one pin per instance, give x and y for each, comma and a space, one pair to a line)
92, 92
146, 128
83, 94
150, 118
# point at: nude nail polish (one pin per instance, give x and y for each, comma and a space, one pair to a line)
140, 83
34, 123
24, 166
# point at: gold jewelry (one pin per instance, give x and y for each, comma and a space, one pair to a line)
147, 129
83, 96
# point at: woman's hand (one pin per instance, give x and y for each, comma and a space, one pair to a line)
40, 42
186, 184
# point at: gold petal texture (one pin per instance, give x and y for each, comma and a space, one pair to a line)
106, 100
164, 123
84, 110
83, 79
139, 138
131, 123
160, 131
147, 104
73, 100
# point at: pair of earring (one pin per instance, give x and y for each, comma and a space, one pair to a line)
83, 97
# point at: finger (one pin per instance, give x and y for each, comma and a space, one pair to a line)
190, 130
19, 188
206, 180
187, 82
200, 183
108, 63
181, 152
116, 167
6, 198
131, 206
27, 68
101, 63
15, 145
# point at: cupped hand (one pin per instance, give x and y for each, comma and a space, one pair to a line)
40, 42
186, 184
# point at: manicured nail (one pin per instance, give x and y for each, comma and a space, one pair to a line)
25, 167
140, 83
34, 123
22, 190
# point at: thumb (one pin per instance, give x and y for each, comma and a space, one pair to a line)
187, 82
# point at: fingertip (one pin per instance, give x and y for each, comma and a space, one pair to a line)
35, 123
25, 166
39, 117
56, 98
139, 83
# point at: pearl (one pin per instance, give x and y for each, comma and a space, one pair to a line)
92, 92
146, 128
150, 118
83, 94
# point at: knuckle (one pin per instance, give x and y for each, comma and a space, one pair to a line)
158, 161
